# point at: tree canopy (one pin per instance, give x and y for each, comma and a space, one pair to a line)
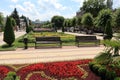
74, 21
93, 6
16, 17
103, 17
57, 21
1, 20
87, 20
117, 18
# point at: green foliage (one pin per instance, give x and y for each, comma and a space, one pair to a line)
117, 18
27, 26
110, 75
11, 76
1, 21
79, 21
102, 71
57, 22
9, 36
103, 18
96, 68
67, 23
93, 6
87, 20
74, 21
16, 17
13, 22
117, 78
91, 64
103, 58
109, 4
108, 30
112, 46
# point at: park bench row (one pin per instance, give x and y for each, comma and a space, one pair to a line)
79, 40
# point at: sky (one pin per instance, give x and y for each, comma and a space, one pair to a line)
44, 9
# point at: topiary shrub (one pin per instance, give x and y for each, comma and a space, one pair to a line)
96, 68
9, 36
91, 64
108, 31
102, 72
117, 78
110, 75
11, 76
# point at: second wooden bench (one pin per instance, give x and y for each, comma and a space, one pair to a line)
87, 41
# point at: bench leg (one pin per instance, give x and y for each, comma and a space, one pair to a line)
60, 45
35, 46
77, 44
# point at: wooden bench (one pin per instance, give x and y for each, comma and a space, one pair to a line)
87, 41
48, 40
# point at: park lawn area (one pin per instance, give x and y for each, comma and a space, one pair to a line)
7, 48
67, 39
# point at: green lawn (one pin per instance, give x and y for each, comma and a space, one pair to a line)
67, 40
7, 48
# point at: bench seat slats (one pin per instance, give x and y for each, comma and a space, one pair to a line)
87, 39
48, 40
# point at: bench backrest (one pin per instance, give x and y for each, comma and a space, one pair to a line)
86, 38
48, 39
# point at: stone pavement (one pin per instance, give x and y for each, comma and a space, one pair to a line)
31, 55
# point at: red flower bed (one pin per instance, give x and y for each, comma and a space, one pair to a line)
36, 76
57, 70
63, 70
23, 72
3, 71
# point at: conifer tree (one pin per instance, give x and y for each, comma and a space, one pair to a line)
9, 36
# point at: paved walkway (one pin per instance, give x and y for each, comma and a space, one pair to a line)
31, 55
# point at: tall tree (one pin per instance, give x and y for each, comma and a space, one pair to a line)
1, 20
74, 21
58, 22
103, 18
87, 20
27, 26
109, 4
9, 36
117, 18
79, 20
93, 6
13, 22
16, 17
108, 30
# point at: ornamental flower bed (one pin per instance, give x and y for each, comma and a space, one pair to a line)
78, 70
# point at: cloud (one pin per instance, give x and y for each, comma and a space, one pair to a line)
116, 3
14, 1
79, 2
43, 9
34, 11
51, 4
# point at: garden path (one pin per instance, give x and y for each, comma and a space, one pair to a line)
32, 55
